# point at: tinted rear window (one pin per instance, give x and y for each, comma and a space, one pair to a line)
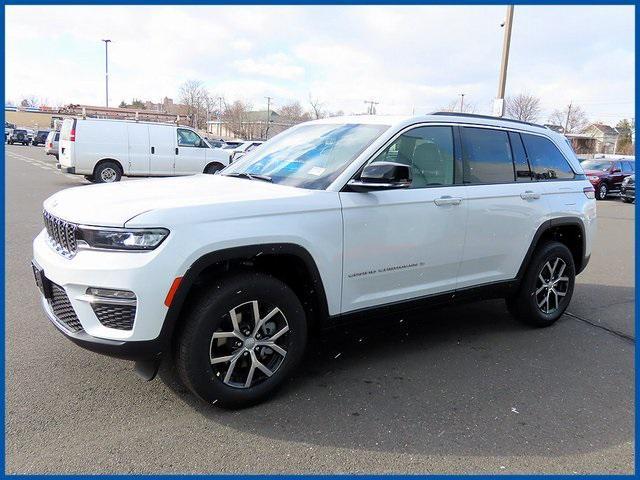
486, 156
547, 163
523, 173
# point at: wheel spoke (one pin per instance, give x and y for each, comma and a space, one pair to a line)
562, 267
230, 370
277, 335
225, 335
262, 321
540, 289
234, 319
273, 346
252, 369
262, 367
560, 294
224, 359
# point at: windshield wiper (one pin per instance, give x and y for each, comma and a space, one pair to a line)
249, 176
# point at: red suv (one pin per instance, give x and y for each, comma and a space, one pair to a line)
606, 175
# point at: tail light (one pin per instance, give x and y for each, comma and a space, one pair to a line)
589, 192
72, 135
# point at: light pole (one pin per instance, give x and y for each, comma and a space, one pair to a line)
461, 102
106, 69
498, 108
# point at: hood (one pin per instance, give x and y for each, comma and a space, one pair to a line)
114, 204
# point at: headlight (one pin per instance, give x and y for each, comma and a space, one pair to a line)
594, 178
121, 238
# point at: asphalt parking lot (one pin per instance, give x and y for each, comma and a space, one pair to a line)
463, 389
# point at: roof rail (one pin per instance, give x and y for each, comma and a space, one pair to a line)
488, 117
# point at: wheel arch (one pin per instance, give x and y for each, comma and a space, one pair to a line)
105, 160
215, 162
569, 231
288, 262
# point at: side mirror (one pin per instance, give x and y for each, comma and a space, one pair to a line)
382, 176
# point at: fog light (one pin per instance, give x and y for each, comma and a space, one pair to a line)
110, 293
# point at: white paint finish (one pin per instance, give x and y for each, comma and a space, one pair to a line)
500, 227
139, 149
162, 138
390, 229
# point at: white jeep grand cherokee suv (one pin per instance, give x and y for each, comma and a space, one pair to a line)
332, 219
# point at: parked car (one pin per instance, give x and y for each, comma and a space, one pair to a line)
8, 128
229, 275
52, 143
30, 134
105, 150
19, 135
243, 149
40, 137
606, 175
628, 189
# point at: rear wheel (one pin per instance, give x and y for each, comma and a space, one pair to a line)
627, 199
107, 172
547, 286
243, 338
602, 191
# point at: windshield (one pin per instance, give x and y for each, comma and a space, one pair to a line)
308, 156
594, 165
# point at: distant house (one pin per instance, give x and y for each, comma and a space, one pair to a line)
605, 137
555, 128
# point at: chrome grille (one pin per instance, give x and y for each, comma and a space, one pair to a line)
115, 316
62, 308
62, 234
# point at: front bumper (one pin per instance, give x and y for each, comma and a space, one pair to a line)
628, 192
144, 273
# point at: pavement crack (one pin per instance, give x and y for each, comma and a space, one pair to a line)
602, 327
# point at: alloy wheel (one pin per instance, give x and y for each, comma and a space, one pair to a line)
108, 175
551, 285
250, 344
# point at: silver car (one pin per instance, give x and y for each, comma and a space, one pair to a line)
51, 144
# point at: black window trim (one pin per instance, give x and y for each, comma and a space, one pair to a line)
456, 154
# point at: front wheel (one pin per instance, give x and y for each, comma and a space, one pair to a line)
244, 337
547, 286
602, 191
213, 168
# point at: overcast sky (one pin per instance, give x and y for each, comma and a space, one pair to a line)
408, 58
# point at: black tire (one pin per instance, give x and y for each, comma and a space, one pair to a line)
627, 200
602, 191
524, 305
107, 172
212, 168
211, 313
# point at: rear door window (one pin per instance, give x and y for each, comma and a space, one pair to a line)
486, 156
547, 163
627, 167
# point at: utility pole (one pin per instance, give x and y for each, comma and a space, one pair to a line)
461, 102
106, 69
266, 133
566, 123
219, 116
498, 108
371, 104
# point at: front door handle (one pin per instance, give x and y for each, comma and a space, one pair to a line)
153, 150
176, 150
529, 195
447, 200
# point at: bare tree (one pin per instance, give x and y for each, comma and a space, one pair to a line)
293, 113
195, 97
523, 107
454, 106
572, 118
316, 107
235, 117
29, 101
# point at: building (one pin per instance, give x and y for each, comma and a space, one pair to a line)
605, 137
251, 125
167, 106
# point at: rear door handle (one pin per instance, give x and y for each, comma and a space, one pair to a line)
447, 200
176, 150
153, 150
529, 195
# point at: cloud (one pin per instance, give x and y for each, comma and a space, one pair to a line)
408, 58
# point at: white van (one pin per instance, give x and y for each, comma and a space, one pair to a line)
105, 150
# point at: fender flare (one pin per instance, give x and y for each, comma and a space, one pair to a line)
546, 226
236, 253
